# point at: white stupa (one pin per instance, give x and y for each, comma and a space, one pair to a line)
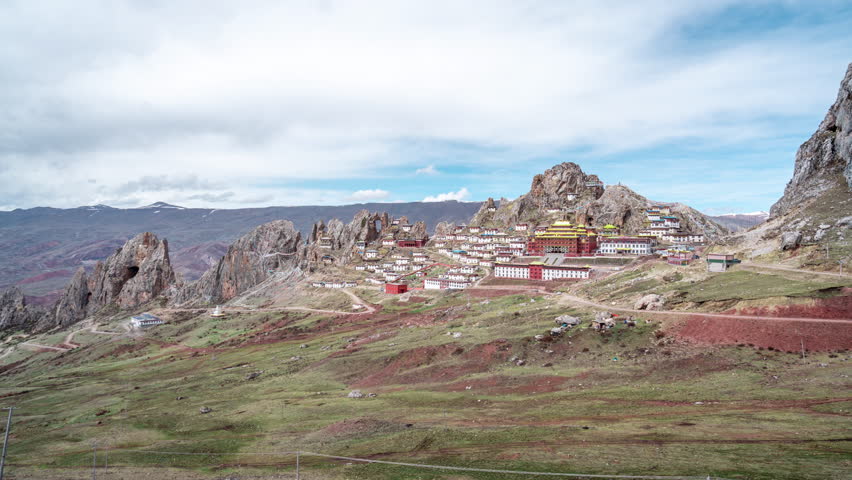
217, 312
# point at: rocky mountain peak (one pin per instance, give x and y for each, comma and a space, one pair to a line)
563, 185
136, 273
14, 311
73, 304
824, 161
272, 248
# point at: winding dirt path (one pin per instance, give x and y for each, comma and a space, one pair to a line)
47, 347
564, 297
69, 339
567, 298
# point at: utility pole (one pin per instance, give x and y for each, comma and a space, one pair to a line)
6, 441
803, 350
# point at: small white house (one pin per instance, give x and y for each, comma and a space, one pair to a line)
145, 320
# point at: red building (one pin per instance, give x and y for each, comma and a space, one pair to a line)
411, 243
396, 288
563, 237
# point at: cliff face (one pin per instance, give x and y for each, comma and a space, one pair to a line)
824, 161
624, 208
565, 192
135, 274
14, 311
563, 187
72, 305
812, 222
272, 248
337, 240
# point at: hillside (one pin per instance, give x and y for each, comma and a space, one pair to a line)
566, 192
41, 248
810, 225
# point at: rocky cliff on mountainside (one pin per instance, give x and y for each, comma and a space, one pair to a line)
274, 248
72, 305
14, 311
138, 272
565, 192
335, 242
444, 228
812, 222
624, 208
563, 187
824, 161
135, 274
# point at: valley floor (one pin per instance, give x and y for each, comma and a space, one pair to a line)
458, 380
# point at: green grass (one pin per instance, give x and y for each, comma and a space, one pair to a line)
747, 285
639, 412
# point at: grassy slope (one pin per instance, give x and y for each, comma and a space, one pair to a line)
693, 286
766, 415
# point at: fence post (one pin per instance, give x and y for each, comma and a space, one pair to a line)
94, 461
6, 441
297, 464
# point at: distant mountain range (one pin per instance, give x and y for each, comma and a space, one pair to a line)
40, 248
736, 222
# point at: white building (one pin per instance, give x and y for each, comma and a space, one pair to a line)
538, 271
627, 245
444, 284
145, 320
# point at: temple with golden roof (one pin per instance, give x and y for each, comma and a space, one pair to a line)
563, 237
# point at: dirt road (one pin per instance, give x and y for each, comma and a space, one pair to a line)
357, 300
47, 347
565, 298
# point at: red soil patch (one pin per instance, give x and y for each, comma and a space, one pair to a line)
834, 307
786, 335
436, 364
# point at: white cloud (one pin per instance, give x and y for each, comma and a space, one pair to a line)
103, 94
369, 195
462, 195
430, 170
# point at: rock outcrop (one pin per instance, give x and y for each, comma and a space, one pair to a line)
619, 206
651, 301
274, 248
135, 274
14, 311
790, 240
562, 188
72, 306
825, 159
817, 198
565, 192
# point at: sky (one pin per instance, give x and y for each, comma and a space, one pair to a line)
237, 104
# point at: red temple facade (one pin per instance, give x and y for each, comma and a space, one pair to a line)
563, 237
